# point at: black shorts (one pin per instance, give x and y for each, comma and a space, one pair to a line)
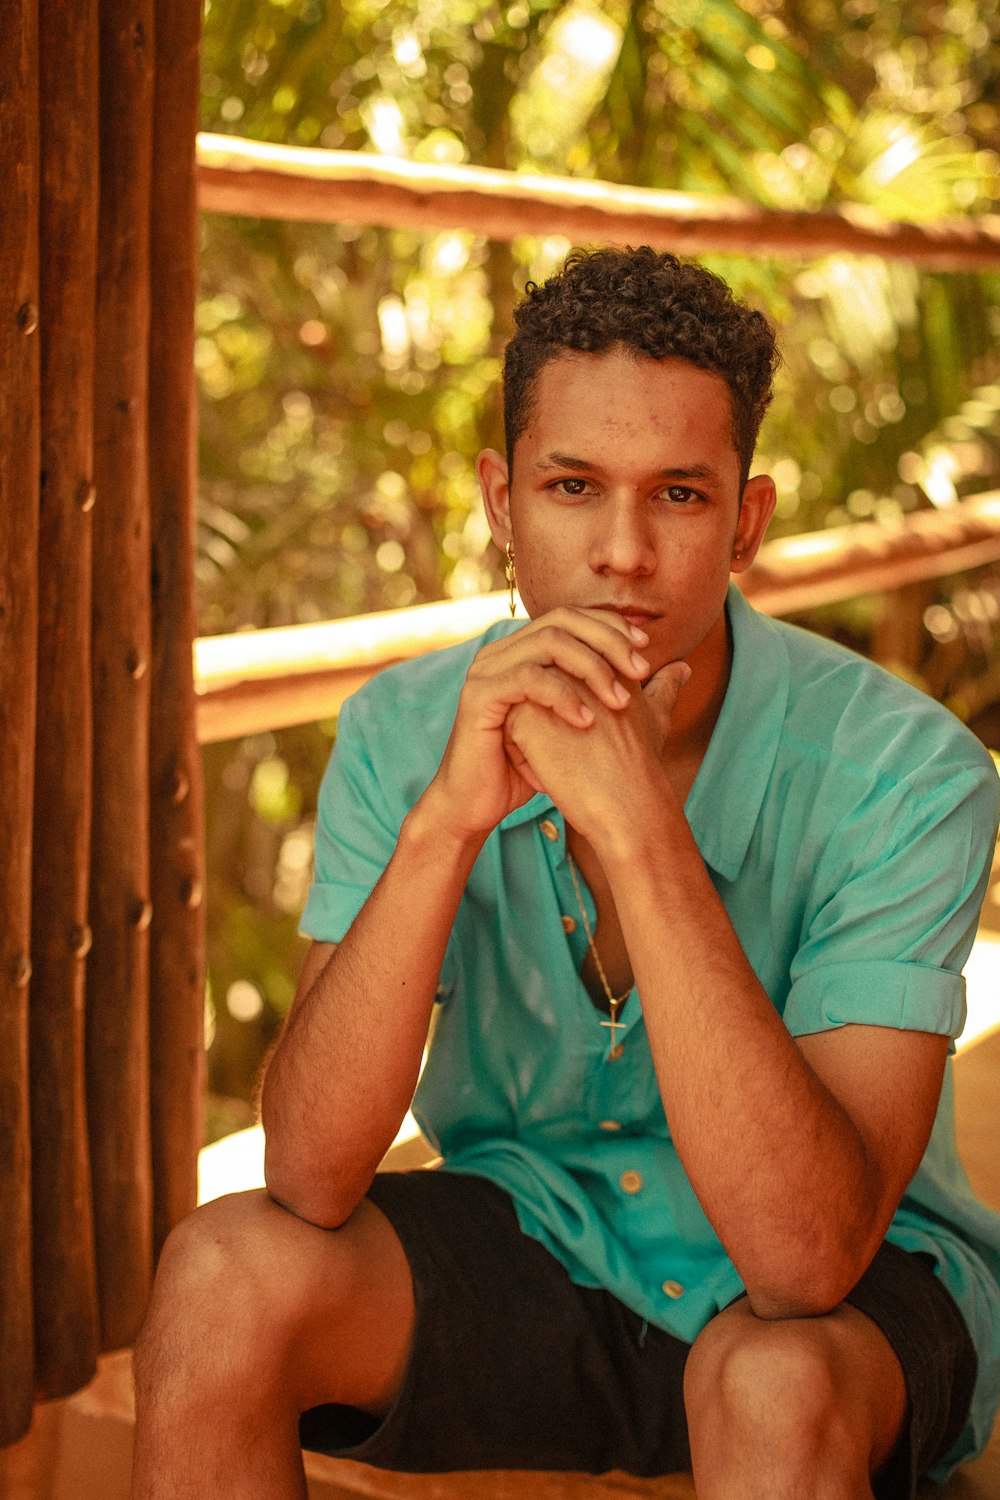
515, 1367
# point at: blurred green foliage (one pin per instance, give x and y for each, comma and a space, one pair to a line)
348, 374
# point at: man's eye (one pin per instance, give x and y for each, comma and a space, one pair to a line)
680, 493
573, 486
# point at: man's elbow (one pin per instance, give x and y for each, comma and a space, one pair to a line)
809, 1285
321, 1213
309, 1192
779, 1302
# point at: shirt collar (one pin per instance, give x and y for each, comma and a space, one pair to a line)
725, 801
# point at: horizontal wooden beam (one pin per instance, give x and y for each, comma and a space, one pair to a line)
295, 674
261, 180
268, 679
869, 557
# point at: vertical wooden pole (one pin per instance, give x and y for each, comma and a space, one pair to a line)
19, 463
899, 638
117, 974
66, 1340
177, 941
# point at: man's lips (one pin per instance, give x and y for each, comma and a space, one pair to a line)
634, 613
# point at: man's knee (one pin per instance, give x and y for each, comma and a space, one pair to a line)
226, 1253
777, 1382
255, 1303
229, 1294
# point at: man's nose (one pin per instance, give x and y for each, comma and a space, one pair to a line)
624, 540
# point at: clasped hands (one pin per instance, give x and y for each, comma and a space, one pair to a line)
564, 706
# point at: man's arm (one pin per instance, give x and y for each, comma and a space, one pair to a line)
799, 1150
342, 1076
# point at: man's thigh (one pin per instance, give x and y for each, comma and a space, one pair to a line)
909, 1304
513, 1365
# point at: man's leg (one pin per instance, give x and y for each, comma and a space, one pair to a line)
800, 1409
256, 1316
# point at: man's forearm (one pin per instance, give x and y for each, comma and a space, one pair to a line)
342, 1077
777, 1163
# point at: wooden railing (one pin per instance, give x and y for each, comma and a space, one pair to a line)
266, 679
284, 182
271, 678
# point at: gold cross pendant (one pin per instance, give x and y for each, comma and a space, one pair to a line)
614, 1025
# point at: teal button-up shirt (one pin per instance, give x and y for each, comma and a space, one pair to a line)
848, 824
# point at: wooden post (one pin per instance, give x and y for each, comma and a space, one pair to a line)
66, 1339
899, 638
117, 975
177, 940
19, 464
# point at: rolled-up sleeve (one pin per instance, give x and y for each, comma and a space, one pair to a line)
356, 832
895, 908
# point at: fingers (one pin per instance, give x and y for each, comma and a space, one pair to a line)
595, 649
520, 762
598, 646
549, 687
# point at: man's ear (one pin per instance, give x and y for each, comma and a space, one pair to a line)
492, 473
756, 509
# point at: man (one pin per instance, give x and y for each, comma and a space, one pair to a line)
687, 894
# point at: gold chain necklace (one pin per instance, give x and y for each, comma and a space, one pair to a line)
614, 1001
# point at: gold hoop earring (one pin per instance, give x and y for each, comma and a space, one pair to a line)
510, 575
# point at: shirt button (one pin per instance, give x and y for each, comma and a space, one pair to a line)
549, 829
569, 924
611, 1124
630, 1181
673, 1289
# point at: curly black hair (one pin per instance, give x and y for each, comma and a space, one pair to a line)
651, 304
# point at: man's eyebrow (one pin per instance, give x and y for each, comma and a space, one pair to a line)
564, 461
583, 465
690, 471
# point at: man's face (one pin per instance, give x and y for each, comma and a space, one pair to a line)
626, 495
